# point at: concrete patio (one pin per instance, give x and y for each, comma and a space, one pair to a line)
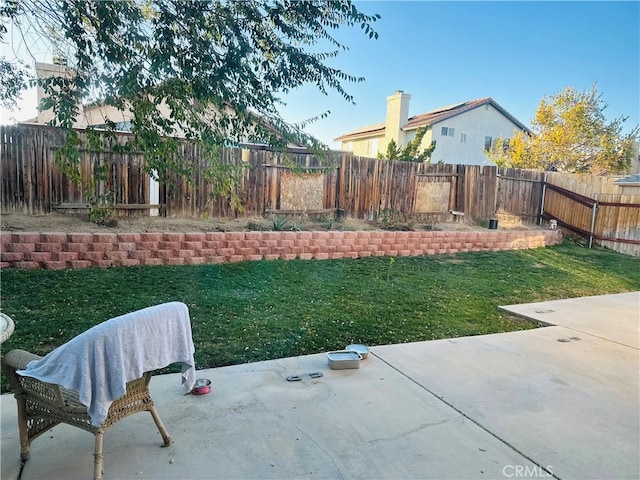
561, 401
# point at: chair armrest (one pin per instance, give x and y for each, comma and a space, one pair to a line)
18, 359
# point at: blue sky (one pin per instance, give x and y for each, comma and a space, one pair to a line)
448, 52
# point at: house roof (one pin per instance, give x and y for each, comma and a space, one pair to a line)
628, 181
368, 131
433, 117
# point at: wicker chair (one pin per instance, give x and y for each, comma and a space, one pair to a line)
42, 406
89, 400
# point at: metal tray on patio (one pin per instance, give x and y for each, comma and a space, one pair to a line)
343, 359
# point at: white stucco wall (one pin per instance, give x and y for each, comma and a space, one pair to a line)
476, 124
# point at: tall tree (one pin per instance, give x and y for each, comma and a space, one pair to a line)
219, 67
570, 133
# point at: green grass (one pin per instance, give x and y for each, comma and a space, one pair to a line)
251, 311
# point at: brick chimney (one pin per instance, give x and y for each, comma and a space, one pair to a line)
397, 116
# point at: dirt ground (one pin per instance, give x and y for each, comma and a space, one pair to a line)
56, 222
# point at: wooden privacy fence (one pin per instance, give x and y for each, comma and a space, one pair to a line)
32, 183
433, 191
594, 208
520, 194
610, 220
297, 182
268, 182
583, 183
357, 187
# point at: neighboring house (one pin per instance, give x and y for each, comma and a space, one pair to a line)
92, 115
97, 114
629, 185
463, 131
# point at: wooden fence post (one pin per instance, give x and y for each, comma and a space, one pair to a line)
544, 189
594, 211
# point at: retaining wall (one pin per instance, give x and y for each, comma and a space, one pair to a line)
79, 250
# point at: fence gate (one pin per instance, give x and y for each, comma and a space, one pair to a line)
519, 194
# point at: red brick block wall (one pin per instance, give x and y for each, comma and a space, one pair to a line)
52, 250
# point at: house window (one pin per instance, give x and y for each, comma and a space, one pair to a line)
372, 146
350, 146
463, 138
118, 126
448, 132
487, 143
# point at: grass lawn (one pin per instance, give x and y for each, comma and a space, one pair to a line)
251, 311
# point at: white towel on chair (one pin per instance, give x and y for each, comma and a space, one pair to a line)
99, 362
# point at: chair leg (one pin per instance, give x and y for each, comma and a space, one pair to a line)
23, 428
161, 428
97, 463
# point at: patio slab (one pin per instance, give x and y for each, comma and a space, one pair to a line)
613, 317
372, 422
559, 401
568, 396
